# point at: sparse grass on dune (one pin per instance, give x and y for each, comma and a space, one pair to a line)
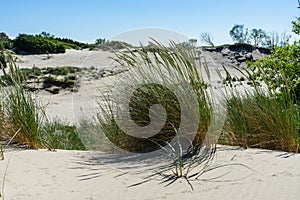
23, 118
21, 112
262, 119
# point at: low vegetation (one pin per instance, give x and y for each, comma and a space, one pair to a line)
45, 43
110, 45
261, 119
51, 79
58, 135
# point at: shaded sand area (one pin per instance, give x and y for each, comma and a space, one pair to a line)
251, 174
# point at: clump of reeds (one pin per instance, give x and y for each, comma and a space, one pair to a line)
21, 114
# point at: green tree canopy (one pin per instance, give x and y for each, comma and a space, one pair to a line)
239, 34
258, 36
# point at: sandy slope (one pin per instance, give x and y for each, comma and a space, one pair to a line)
67, 105
71, 175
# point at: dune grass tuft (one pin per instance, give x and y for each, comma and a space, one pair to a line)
170, 67
260, 118
21, 113
173, 78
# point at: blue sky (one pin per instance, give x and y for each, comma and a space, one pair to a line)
87, 20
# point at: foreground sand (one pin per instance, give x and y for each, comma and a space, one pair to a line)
260, 174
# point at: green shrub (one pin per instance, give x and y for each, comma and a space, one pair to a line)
296, 26
69, 43
5, 41
37, 44
280, 70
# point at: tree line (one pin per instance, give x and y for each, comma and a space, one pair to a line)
258, 37
45, 43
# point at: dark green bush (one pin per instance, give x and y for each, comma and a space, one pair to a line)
38, 44
5, 41
280, 70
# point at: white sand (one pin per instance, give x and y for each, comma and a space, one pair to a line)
67, 105
77, 58
69, 175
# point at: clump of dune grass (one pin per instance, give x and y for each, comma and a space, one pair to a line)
21, 114
166, 81
159, 70
261, 118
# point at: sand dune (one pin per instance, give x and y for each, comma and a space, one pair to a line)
76, 58
43, 174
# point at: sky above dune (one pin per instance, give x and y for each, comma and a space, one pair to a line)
91, 19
